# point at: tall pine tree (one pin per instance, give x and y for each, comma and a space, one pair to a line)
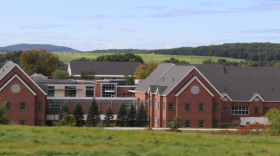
93, 116
141, 117
121, 118
64, 110
79, 115
131, 116
109, 117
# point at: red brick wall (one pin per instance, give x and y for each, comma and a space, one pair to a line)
25, 95
121, 90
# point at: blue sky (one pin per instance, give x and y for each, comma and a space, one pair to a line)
145, 24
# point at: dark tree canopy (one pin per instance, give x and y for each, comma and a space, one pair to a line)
131, 116
127, 57
109, 117
79, 115
64, 110
141, 117
93, 116
121, 118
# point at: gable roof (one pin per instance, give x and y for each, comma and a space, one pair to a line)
11, 79
236, 83
154, 77
103, 68
7, 67
189, 82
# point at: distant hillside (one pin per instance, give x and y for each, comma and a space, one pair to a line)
247, 51
26, 47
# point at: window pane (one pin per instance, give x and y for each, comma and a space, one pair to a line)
201, 124
170, 106
22, 106
240, 110
188, 107
201, 106
39, 106
108, 90
215, 124
215, 106
70, 91
89, 91
188, 124
51, 91
8, 106
54, 106
225, 110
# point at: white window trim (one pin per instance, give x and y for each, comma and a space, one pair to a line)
241, 110
16, 76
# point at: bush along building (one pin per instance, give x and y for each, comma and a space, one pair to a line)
208, 95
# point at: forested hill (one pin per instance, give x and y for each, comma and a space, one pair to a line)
248, 51
48, 47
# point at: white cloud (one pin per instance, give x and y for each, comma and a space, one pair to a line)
167, 46
126, 30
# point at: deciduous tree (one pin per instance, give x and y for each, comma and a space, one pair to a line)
3, 119
60, 74
144, 70
39, 61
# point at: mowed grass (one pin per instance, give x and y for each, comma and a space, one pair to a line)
24, 140
146, 57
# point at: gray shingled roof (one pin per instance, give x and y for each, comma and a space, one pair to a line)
54, 81
104, 68
239, 83
153, 77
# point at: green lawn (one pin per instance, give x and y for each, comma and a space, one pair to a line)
27, 140
146, 57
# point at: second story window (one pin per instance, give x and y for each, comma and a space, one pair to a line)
170, 106
70, 91
22, 106
51, 91
201, 107
54, 106
89, 91
108, 89
156, 103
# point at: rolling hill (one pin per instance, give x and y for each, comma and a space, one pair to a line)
26, 47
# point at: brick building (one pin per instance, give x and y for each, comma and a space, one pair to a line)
209, 95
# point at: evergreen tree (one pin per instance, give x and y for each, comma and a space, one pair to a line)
109, 117
79, 115
93, 116
141, 117
131, 116
63, 111
121, 118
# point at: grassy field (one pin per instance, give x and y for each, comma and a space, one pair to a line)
146, 57
24, 140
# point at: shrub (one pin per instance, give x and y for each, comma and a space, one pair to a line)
67, 120
273, 116
175, 124
252, 129
3, 119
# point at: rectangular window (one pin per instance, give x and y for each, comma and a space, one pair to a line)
170, 106
22, 122
39, 105
240, 110
216, 106
108, 89
22, 106
39, 123
163, 105
225, 110
265, 109
216, 124
256, 110
70, 91
201, 124
156, 104
201, 107
187, 106
127, 94
188, 124
123, 94
54, 106
89, 91
51, 91
8, 106
156, 121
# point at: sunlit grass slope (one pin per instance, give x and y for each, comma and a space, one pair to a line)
24, 140
146, 57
